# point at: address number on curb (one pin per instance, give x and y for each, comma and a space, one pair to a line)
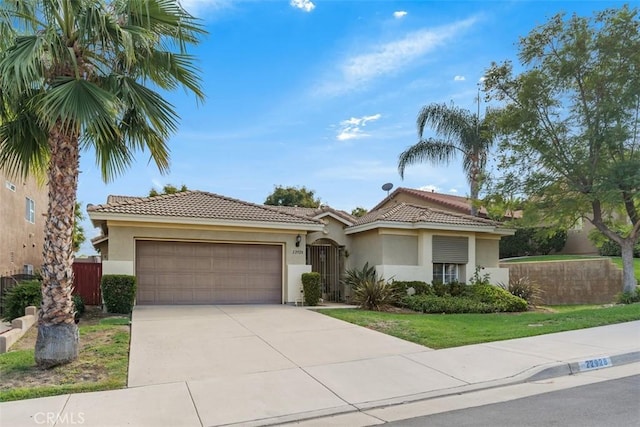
602, 362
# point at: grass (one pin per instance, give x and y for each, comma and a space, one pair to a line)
102, 364
636, 265
550, 258
452, 330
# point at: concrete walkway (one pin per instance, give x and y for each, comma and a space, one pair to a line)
268, 365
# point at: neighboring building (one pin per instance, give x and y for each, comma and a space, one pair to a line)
23, 206
195, 247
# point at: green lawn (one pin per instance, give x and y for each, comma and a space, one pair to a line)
102, 364
636, 265
550, 258
452, 330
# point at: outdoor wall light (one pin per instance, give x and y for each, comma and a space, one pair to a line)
298, 240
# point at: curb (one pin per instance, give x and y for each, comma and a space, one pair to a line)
538, 373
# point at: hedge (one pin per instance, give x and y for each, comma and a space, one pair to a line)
474, 299
20, 297
311, 287
118, 292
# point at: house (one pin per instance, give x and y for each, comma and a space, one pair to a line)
23, 206
197, 247
578, 242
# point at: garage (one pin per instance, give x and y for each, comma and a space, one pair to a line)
208, 273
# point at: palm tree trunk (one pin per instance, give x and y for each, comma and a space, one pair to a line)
57, 341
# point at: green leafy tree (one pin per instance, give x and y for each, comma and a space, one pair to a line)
570, 123
359, 212
292, 196
459, 132
168, 189
78, 231
82, 74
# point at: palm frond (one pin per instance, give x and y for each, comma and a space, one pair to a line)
77, 104
430, 150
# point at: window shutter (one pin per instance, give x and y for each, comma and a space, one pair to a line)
447, 249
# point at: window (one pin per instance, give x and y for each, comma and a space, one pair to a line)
30, 211
10, 185
445, 273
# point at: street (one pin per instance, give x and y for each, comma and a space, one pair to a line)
609, 403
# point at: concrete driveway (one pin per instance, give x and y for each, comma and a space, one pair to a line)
242, 363
182, 343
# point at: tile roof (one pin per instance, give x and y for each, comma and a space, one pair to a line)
447, 201
408, 213
199, 204
313, 212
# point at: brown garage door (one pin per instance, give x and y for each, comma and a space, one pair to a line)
208, 273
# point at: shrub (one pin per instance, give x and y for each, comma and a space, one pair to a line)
629, 297
524, 288
78, 305
353, 277
311, 288
446, 304
375, 294
474, 299
533, 241
118, 292
20, 297
419, 288
500, 299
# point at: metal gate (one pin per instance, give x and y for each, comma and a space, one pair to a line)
326, 260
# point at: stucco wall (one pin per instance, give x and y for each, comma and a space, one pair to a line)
333, 230
365, 247
487, 252
21, 242
578, 242
594, 281
399, 249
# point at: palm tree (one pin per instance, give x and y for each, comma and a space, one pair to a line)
459, 132
74, 76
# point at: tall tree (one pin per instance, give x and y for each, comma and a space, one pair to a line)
74, 75
570, 123
292, 196
78, 230
168, 189
458, 131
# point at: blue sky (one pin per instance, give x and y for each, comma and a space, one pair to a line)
324, 94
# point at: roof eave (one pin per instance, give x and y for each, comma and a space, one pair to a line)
428, 226
107, 216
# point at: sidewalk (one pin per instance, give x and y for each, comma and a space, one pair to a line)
292, 394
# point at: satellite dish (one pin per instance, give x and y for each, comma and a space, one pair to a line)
386, 187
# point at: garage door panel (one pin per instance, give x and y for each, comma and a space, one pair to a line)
208, 273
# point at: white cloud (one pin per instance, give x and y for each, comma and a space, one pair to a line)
352, 128
430, 187
453, 190
459, 78
387, 58
306, 5
399, 14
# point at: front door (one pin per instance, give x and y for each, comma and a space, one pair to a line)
324, 258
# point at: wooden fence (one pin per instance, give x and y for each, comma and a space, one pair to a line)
86, 280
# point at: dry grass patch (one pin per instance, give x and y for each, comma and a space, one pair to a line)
101, 365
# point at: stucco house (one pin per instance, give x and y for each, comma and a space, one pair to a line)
197, 247
578, 242
23, 205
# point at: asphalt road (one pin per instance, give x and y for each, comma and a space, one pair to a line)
614, 403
